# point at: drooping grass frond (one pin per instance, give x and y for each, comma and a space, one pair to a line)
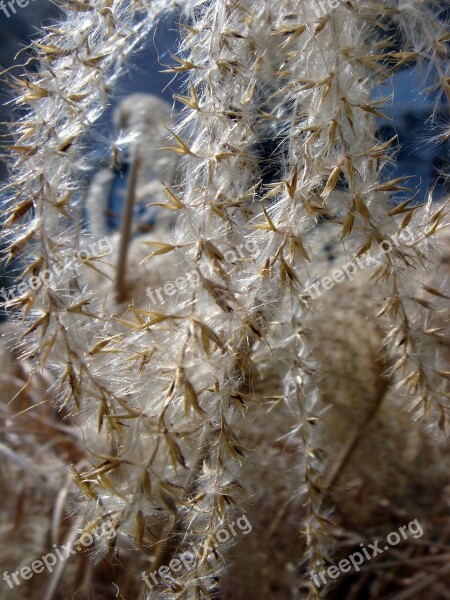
275, 156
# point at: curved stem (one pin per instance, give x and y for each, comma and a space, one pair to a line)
122, 293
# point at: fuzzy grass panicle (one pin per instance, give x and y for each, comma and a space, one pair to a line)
162, 395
